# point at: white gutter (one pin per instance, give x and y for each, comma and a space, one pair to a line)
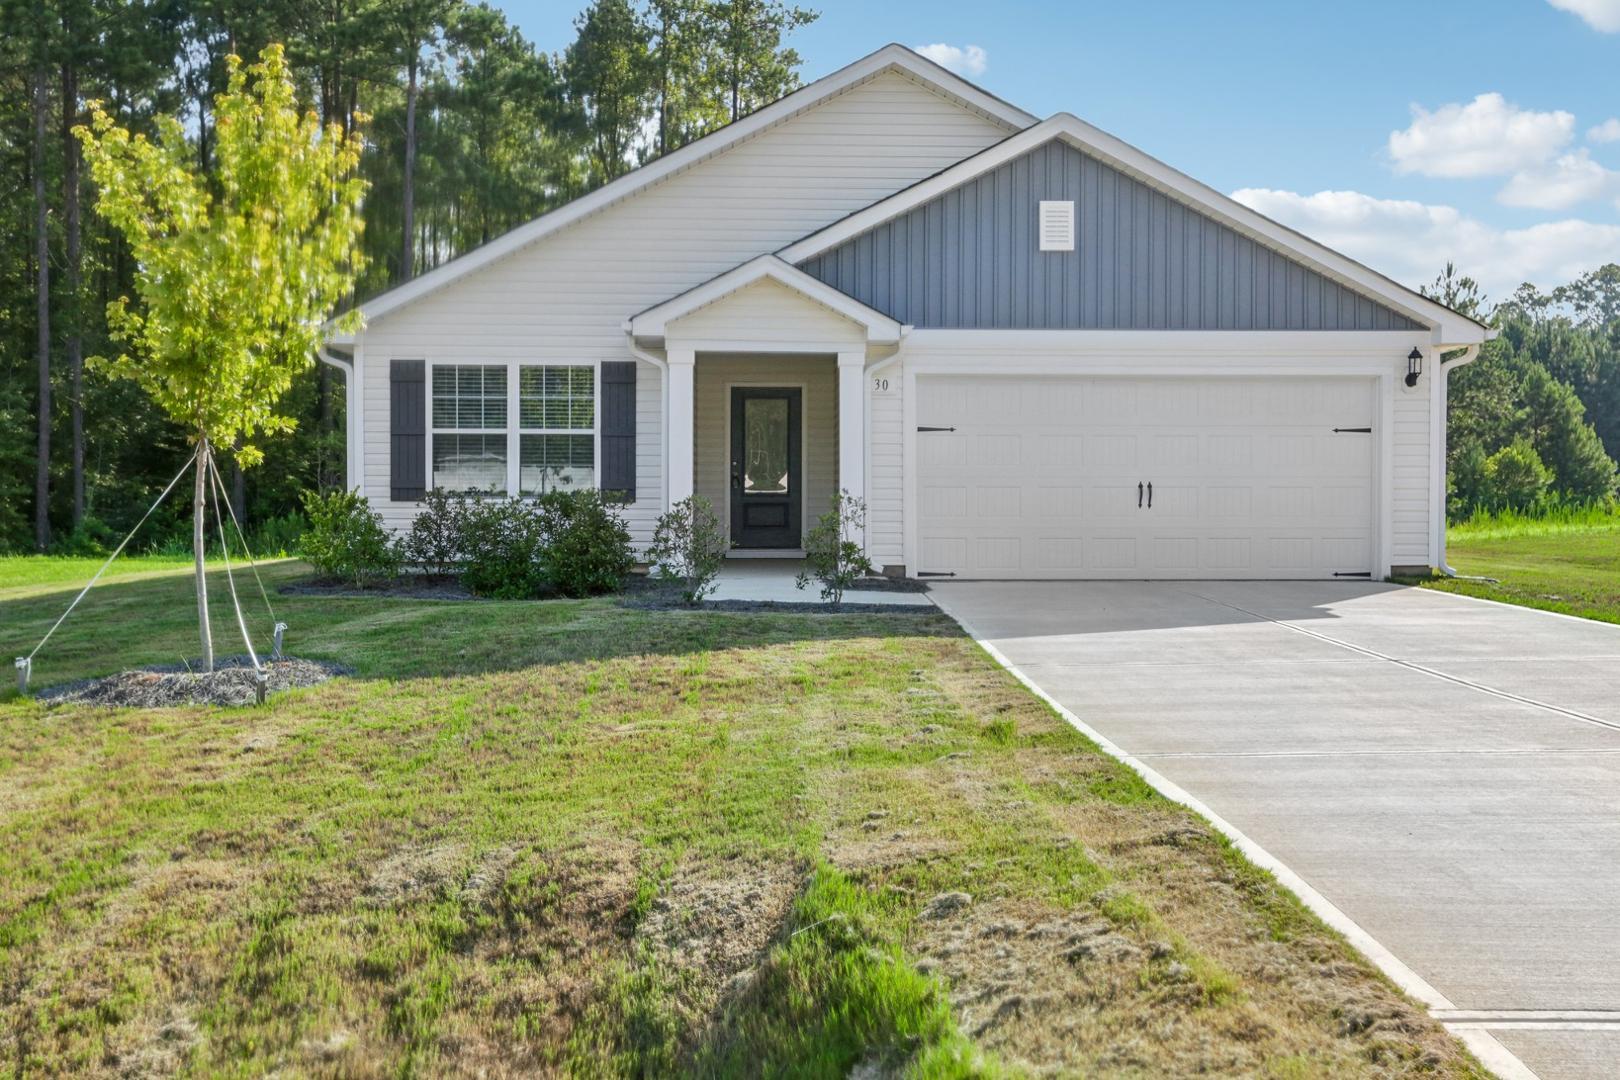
1437, 478
663, 403
352, 412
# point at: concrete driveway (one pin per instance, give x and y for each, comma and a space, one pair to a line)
1445, 771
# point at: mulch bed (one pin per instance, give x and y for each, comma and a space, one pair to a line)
167, 685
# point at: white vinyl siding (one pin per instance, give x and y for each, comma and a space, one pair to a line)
1410, 464
885, 464
564, 299
767, 312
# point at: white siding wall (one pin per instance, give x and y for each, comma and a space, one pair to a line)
563, 299
1410, 463
885, 463
711, 453
766, 311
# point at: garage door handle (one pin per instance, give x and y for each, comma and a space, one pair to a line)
1139, 494
1150, 494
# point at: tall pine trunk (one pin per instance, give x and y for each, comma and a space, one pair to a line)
407, 254
199, 539
42, 254
70, 221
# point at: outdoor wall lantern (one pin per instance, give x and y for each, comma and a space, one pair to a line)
1414, 366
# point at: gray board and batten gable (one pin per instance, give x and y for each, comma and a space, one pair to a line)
970, 259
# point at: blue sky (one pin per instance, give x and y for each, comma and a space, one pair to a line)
1400, 133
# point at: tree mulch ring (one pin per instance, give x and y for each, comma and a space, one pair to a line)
400, 588
168, 685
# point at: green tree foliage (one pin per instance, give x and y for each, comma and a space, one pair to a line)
238, 267
502, 133
1515, 477
1551, 378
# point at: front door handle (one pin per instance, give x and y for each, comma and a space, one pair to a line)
1150, 494
736, 476
1139, 494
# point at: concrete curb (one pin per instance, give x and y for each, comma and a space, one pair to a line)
1491, 1053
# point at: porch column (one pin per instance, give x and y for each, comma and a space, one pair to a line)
678, 461
852, 424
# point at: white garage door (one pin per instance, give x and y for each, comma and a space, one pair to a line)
1063, 477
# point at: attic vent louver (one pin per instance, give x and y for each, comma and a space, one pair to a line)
1057, 225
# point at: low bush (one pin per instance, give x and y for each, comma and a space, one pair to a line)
346, 539
585, 547
90, 538
500, 549
689, 547
833, 552
434, 543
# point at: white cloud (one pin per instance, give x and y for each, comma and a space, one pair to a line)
962, 59
1411, 241
1608, 131
1489, 136
1572, 179
1603, 15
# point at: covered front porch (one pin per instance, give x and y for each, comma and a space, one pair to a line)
765, 399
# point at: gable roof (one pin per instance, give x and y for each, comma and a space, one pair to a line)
1447, 326
892, 57
880, 328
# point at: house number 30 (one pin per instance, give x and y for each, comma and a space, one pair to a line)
879, 385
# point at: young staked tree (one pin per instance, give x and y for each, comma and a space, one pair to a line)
237, 269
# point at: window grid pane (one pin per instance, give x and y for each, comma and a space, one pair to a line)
469, 396
470, 463
556, 462
557, 397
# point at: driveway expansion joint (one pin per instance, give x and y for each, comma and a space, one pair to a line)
1414, 666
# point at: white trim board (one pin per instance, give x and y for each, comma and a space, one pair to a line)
1448, 327
891, 57
1484, 1046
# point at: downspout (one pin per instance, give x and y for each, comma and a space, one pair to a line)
1442, 378
352, 410
663, 404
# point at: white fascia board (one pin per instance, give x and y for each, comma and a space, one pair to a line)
1446, 325
889, 58
1391, 344
650, 324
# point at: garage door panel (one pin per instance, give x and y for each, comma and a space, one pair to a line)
1040, 479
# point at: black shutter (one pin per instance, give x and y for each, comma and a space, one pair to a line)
407, 430
619, 428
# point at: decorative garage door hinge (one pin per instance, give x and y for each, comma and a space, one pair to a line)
1352, 573
920, 428
936, 573
1356, 430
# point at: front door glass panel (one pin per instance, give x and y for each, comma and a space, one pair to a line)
765, 446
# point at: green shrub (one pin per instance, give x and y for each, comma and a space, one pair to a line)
434, 543
833, 554
346, 539
91, 538
689, 547
1515, 477
586, 547
276, 536
500, 544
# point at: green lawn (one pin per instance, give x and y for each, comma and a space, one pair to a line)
571, 837
1571, 567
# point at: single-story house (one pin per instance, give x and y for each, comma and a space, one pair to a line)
1032, 349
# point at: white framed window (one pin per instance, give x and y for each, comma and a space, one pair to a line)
503, 428
468, 410
556, 428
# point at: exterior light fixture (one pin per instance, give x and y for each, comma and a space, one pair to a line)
1414, 366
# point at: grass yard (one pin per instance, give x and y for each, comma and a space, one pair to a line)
1572, 566
573, 837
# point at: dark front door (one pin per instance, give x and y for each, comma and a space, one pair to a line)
765, 467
